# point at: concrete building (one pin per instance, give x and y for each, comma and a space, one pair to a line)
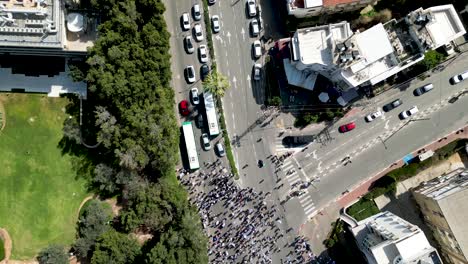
305, 8
44, 27
385, 238
352, 59
444, 203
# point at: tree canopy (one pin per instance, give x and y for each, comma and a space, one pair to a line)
216, 83
53, 254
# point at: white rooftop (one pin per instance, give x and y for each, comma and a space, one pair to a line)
299, 78
374, 44
312, 3
447, 26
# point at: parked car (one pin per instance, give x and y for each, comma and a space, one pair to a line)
190, 74
211, 2
371, 117
197, 29
188, 43
459, 77
346, 128
204, 71
257, 71
200, 121
257, 49
405, 114
194, 95
196, 12
422, 90
220, 149
251, 8
185, 21
215, 23
203, 54
392, 105
206, 141
254, 27
184, 108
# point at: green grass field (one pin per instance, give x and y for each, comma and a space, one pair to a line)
38, 188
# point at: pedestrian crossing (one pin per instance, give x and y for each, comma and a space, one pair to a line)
293, 178
281, 149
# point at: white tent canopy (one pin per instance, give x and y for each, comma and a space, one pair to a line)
323, 97
75, 22
341, 101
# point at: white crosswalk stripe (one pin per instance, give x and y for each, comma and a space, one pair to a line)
308, 205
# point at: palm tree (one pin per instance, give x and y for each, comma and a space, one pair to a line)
216, 83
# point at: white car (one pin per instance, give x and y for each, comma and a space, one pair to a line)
197, 29
194, 95
220, 149
188, 43
257, 71
459, 77
371, 117
257, 49
206, 141
215, 23
203, 54
405, 114
190, 73
185, 21
254, 27
196, 12
251, 8
211, 2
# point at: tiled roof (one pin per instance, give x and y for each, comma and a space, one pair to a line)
337, 2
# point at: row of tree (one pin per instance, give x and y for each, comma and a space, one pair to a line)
130, 112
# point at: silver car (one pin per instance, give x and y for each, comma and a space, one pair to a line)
188, 43
194, 95
257, 71
203, 54
197, 29
185, 21
257, 49
251, 8
215, 23
196, 12
220, 149
254, 27
190, 74
206, 141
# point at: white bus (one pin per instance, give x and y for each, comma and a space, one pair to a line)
190, 145
211, 118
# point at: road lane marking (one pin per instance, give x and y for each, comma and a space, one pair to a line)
243, 34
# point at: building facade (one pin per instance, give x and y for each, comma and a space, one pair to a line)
385, 238
444, 203
307, 8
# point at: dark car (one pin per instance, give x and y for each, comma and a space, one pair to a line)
392, 105
204, 71
260, 163
347, 127
200, 121
422, 90
184, 108
298, 141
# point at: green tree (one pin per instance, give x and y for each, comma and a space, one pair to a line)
53, 254
117, 248
431, 59
93, 222
216, 83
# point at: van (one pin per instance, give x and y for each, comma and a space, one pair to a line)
459, 77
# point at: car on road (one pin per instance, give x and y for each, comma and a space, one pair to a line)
257, 49
196, 11
215, 23
371, 117
194, 95
211, 2
184, 108
251, 8
422, 90
204, 71
390, 106
257, 71
405, 114
347, 127
203, 54
254, 27
200, 121
188, 44
190, 73
297, 141
220, 149
459, 77
260, 163
197, 30
206, 141
185, 21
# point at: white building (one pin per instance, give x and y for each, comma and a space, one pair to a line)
351, 59
385, 238
305, 8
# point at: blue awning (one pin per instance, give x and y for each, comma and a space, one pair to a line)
408, 158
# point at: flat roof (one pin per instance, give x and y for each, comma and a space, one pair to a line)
374, 44
447, 25
337, 2
312, 3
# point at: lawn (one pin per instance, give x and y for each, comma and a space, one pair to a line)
362, 209
39, 191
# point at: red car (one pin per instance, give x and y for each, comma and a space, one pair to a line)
184, 108
347, 127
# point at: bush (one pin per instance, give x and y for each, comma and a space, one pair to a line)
275, 101
431, 59
53, 254
333, 237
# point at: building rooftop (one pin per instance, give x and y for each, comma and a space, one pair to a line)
337, 2
386, 238
443, 186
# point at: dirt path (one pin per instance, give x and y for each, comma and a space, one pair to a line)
2, 111
6, 244
82, 203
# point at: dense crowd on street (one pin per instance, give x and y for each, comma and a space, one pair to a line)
243, 225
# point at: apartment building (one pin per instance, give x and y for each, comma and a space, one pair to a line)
385, 238
444, 203
306, 8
